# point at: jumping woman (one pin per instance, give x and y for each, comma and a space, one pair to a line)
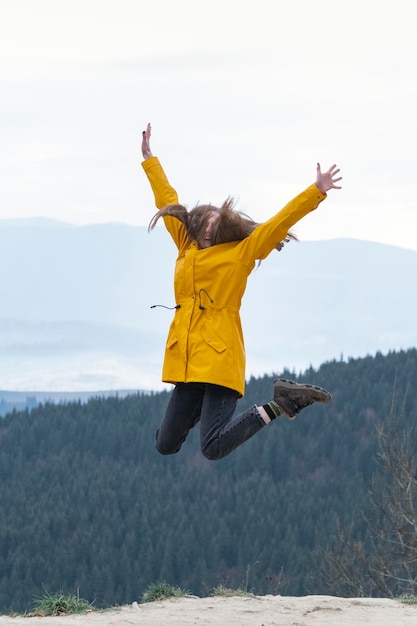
205, 354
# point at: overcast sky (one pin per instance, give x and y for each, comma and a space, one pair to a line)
244, 96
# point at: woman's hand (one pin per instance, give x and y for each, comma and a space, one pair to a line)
327, 180
146, 143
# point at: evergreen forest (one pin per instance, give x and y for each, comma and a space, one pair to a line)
88, 505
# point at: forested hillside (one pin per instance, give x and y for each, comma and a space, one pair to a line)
87, 503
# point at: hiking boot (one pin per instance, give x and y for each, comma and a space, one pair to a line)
291, 397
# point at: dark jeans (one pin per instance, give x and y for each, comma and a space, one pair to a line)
212, 406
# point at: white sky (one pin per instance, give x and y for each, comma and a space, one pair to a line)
244, 96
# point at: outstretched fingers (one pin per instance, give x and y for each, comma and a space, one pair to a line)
333, 171
327, 180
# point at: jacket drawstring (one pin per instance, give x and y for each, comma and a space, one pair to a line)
178, 306
208, 296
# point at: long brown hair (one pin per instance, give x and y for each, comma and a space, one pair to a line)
231, 225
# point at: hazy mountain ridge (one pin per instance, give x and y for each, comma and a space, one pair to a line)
76, 304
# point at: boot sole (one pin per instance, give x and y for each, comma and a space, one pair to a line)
322, 394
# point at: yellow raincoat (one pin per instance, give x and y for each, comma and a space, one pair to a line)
205, 340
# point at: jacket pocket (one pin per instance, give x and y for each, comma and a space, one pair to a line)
213, 338
172, 337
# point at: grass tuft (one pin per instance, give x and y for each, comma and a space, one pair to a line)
229, 593
60, 604
408, 598
161, 591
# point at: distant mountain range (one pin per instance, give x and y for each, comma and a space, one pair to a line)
75, 305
